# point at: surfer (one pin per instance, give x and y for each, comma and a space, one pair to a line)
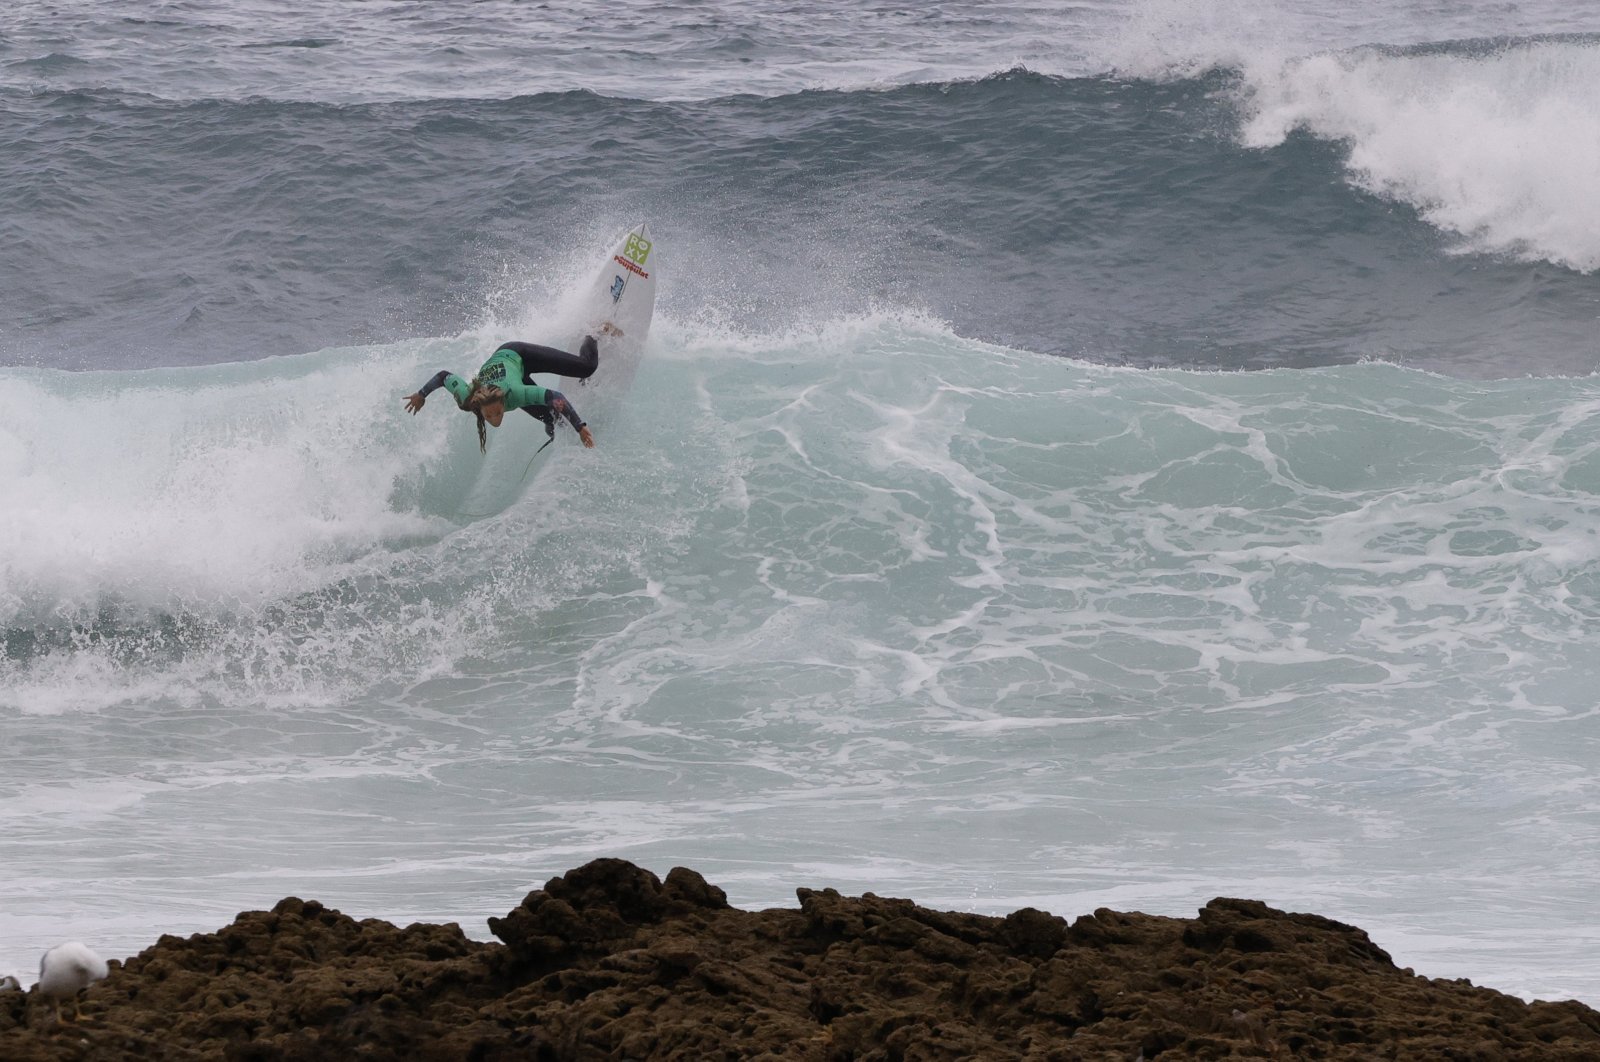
505, 382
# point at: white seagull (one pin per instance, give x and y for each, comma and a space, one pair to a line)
66, 970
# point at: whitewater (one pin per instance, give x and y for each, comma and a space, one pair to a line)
1116, 475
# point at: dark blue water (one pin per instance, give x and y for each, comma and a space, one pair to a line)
1114, 220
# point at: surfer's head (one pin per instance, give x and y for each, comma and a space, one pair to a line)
487, 403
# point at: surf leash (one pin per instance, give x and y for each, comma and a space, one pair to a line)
520, 482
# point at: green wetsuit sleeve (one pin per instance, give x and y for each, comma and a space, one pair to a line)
520, 395
449, 381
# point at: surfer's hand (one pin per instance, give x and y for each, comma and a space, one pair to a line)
584, 434
414, 403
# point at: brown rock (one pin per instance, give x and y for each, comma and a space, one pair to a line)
609, 962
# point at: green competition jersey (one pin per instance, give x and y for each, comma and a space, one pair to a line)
502, 370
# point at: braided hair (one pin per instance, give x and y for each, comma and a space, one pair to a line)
478, 396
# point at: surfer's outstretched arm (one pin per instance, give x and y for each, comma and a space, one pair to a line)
414, 401
557, 403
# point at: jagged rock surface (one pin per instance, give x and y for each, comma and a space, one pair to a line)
610, 962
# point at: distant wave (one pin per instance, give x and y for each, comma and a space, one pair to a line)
1245, 217
1497, 141
637, 50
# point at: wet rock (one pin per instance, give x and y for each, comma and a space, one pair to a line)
687, 888
1034, 933
610, 962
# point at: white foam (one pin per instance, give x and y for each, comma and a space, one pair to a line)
1499, 147
158, 491
1162, 39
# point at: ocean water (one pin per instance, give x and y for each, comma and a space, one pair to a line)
1108, 454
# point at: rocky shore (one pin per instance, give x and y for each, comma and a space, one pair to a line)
610, 962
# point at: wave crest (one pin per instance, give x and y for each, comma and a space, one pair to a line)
1499, 145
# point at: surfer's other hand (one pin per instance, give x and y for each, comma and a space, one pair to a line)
586, 436
414, 403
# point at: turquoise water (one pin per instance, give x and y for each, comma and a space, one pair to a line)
871, 605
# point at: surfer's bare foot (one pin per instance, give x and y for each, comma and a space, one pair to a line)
609, 329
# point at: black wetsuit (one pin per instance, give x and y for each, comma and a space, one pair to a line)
579, 366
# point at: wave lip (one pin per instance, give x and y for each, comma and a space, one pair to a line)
1495, 142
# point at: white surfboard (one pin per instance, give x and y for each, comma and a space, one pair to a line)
617, 312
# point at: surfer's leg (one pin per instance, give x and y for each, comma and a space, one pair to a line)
589, 354
579, 366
